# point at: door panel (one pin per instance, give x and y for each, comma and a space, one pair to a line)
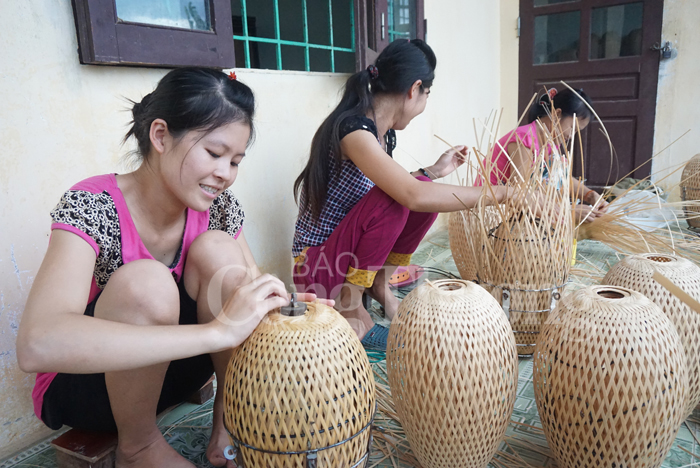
603, 47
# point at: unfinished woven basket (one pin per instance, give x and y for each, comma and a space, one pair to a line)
463, 230
458, 230
300, 385
531, 290
690, 189
635, 272
453, 373
610, 380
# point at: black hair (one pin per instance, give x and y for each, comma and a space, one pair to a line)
191, 99
567, 101
398, 66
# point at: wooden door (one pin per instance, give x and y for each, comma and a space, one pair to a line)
604, 47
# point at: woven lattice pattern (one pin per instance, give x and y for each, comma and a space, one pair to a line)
465, 241
636, 272
300, 383
453, 369
610, 380
533, 256
458, 230
690, 189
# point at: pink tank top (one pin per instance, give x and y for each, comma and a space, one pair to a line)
501, 166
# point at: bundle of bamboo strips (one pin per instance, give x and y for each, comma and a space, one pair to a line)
618, 229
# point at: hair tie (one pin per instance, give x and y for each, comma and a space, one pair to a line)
232, 76
373, 72
551, 93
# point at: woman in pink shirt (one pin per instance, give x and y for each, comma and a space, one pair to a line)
120, 322
565, 104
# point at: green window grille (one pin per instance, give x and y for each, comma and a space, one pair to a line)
278, 34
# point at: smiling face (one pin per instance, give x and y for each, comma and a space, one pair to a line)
199, 166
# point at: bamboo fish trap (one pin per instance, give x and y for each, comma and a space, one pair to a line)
636, 272
453, 373
300, 393
610, 380
690, 190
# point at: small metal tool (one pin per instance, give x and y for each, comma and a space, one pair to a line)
294, 308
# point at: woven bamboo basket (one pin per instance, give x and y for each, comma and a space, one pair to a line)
300, 392
531, 291
465, 241
524, 261
635, 272
453, 373
610, 380
458, 231
690, 190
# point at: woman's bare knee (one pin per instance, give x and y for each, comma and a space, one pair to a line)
142, 292
214, 254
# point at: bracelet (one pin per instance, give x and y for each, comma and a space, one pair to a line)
425, 173
587, 193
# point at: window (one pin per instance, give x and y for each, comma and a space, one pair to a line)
379, 22
306, 35
162, 33
320, 35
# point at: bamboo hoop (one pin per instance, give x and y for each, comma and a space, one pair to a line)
690, 190
636, 272
300, 389
610, 380
453, 373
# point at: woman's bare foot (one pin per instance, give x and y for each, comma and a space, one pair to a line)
349, 304
152, 453
219, 437
381, 292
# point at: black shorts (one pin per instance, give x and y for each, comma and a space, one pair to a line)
80, 401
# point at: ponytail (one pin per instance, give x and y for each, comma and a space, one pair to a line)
566, 100
398, 66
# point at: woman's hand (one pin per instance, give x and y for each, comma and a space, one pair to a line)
448, 162
311, 297
585, 213
247, 306
595, 199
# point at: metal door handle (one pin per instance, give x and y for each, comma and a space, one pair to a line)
382, 26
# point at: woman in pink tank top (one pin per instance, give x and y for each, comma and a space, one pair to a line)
506, 159
125, 317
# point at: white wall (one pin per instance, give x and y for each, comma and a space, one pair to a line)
678, 99
61, 122
509, 13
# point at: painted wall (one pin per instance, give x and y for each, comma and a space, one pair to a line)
509, 47
61, 122
678, 99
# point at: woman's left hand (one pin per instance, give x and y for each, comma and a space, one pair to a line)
311, 297
448, 162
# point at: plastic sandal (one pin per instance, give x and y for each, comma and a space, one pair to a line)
376, 338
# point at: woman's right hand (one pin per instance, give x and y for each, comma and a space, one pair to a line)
247, 306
